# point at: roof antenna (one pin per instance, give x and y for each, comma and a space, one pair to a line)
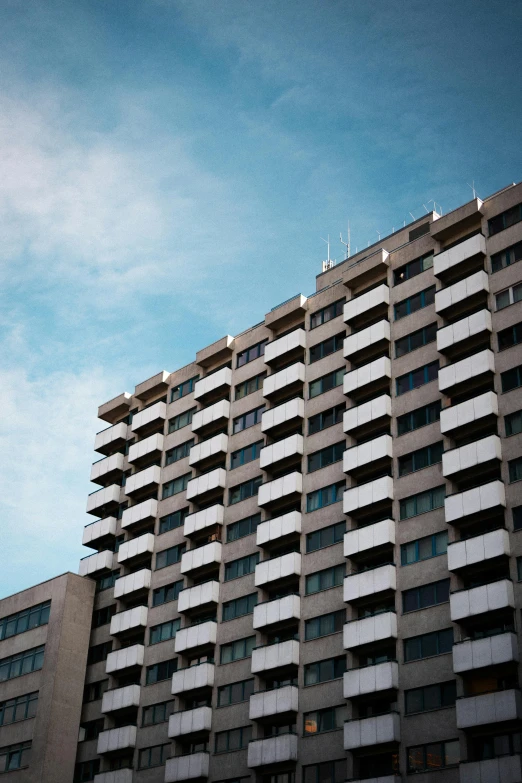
347, 243
472, 186
413, 216
426, 208
435, 205
329, 263
379, 235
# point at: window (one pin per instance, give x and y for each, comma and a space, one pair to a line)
25, 620
95, 690
325, 496
414, 340
507, 257
327, 418
235, 692
327, 382
250, 386
241, 567
327, 772
90, 730
325, 624
175, 486
511, 379
161, 671
419, 377
172, 521
413, 268
491, 747
254, 352
428, 644
234, 651
517, 518
422, 458
157, 713
424, 548
243, 491
430, 697
420, 417
327, 347
326, 536
507, 338
508, 297
248, 454
327, 456
426, 595
22, 663
239, 607
327, 313
86, 770
513, 423
505, 219
178, 452
515, 469
248, 419
103, 616
243, 527
436, 755
170, 592
323, 580
170, 556
325, 670
233, 739
20, 708
99, 652
154, 756
414, 303
181, 420
164, 631
328, 719
177, 392
422, 502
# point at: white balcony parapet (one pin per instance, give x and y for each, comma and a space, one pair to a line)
279, 488
478, 549
141, 512
478, 600
208, 482
207, 517
489, 708
112, 740
504, 769
364, 303
216, 412
458, 292
201, 556
103, 440
276, 611
92, 564
455, 255
471, 455
274, 702
376, 333
275, 656
371, 679
367, 374
144, 448
112, 464
287, 377
143, 479
369, 630
129, 619
125, 658
190, 767
278, 568
467, 327
379, 779
366, 494
473, 501
99, 529
368, 537
152, 386
154, 414
279, 527
139, 581
377, 730
464, 370
468, 412
283, 345
283, 449
121, 698
212, 382
372, 450
209, 448
363, 414
272, 750
103, 497
193, 636
370, 582
199, 595
489, 651
193, 677
142, 545
114, 776
281, 414
192, 721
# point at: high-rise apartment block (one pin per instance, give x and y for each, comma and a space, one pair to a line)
307, 548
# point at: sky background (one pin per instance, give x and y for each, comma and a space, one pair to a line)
167, 171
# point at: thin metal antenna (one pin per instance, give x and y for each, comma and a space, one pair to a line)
378, 234
472, 186
329, 263
413, 216
435, 205
426, 208
327, 241
347, 243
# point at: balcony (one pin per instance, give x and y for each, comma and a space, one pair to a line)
196, 637
133, 585
114, 740
208, 484
364, 344
273, 750
369, 630
114, 409
198, 596
96, 564
272, 657
365, 417
288, 450
189, 767
471, 459
478, 549
286, 488
381, 779
219, 351
196, 721
279, 701
203, 557
121, 699
469, 415
136, 549
463, 296
111, 438
140, 514
125, 658
377, 730
277, 569
215, 384
369, 305
211, 418
285, 347
496, 650
278, 528
290, 379
479, 600
276, 420
104, 501
193, 678
286, 312
370, 582
206, 518
371, 679
363, 539
378, 451
106, 470
368, 379
96, 532
151, 418
378, 491
209, 451
479, 500
129, 620
504, 769
369, 269
148, 448
473, 331
152, 386
459, 258
144, 481
489, 708
115, 776
469, 373
276, 611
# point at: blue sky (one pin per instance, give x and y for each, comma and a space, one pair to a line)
167, 168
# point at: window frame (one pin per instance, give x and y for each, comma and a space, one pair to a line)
323, 502
181, 451
252, 484
334, 569
190, 383
253, 448
425, 368
428, 337
254, 520
408, 300
437, 407
333, 375
335, 528
415, 498
337, 339
336, 308
335, 449
177, 423
258, 413
258, 348
252, 558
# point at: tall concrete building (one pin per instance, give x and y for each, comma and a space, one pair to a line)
307, 547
